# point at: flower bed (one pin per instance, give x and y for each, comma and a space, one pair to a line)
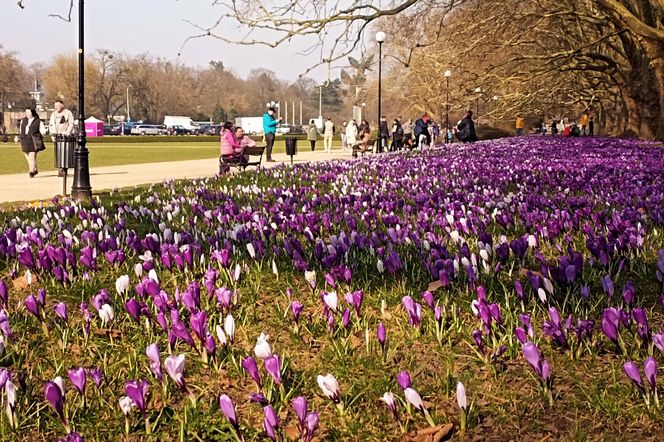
508, 287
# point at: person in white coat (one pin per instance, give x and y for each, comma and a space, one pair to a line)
351, 133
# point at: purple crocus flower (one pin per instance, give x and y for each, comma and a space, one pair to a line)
273, 368
518, 289
403, 379
427, 297
137, 392
78, 379
33, 306
228, 408
258, 398
4, 293
72, 437
658, 340
198, 323
607, 286
300, 407
477, 337
632, 372
133, 308
296, 310
61, 311
521, 335
345, 318
381, 333
270, 422
56, 398
650, 370
250, 366
97, 376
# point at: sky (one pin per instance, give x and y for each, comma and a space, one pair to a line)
156, 27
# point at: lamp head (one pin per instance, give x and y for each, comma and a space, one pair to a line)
448, 73
380, 37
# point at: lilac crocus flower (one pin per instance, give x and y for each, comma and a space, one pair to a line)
174, 366
388, 399
270, 422
78, 379
461, 396
273, 368
249, 365
311, 424
228, 408
33, 306
427, 297
330, 387
658, 340
152, 352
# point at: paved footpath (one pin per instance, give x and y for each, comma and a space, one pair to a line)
46, 185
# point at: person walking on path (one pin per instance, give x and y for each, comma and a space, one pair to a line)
32, 131
312, 136
270, 131
520, 125
583, 122
328, 135
466, 129
397, 136
384, 132
61, 123
591, 127
344, 140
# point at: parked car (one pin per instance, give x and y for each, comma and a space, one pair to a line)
146, 129
179, 130
112, 130
283, 129
209, 129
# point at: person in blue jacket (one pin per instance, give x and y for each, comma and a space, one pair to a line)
270, 129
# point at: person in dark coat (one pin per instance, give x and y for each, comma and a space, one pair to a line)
466, 129
384, 134
421, 129
32, 132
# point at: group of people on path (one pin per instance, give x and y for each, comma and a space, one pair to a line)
584, 126
32, 131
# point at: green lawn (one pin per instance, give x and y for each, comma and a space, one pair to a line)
120, 153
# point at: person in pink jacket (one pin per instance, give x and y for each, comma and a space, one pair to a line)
228, 144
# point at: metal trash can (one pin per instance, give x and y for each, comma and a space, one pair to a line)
64, 151
291, 147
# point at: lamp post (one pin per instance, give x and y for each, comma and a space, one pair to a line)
320, 103
380, 38
128, 102
493, 99
81, 189
448, 74
478, 91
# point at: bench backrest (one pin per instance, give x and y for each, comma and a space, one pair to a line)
254, 150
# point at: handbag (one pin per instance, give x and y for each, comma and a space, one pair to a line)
39, 143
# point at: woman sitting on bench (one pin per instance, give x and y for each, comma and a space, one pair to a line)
233, 143
363, 145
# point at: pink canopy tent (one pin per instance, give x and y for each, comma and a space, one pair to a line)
94, 127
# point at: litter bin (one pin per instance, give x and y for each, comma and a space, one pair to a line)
64, 151
64, 156
291, 147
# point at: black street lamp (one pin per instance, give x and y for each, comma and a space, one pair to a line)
81, 189
478, 91
448, 74
380, 38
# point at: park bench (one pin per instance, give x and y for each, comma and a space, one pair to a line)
238, 161
370, 148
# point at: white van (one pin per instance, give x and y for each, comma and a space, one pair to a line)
186, 122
